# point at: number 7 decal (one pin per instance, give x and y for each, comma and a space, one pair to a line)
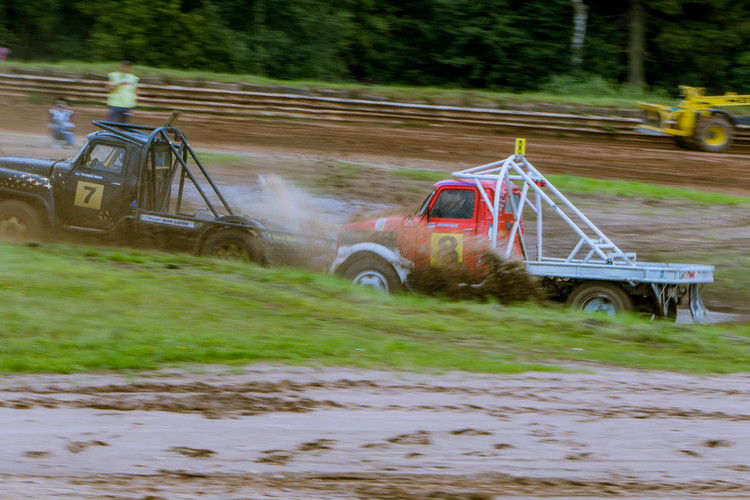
89, 195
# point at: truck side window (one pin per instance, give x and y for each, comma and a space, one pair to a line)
454, 204
106, 157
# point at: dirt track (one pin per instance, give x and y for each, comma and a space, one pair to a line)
272, 432
648, 159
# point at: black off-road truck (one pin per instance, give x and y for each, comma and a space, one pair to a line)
139, 186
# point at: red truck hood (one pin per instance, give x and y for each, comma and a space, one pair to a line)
392, 223
383, 230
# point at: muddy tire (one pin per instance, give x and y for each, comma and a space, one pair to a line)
374, 273
713, 134
600, 297
20, 222
685, 143
234, 245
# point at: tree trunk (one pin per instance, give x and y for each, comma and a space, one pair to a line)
580, 13
636, 43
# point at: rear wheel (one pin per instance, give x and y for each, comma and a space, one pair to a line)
20, 222
713, 134
374, 273
671, 313
600, 297
685, 142
233, 245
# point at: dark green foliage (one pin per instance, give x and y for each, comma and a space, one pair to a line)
493, 44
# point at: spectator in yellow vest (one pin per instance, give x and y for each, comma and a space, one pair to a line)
123, 92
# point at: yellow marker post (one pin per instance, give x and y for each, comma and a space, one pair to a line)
520, 146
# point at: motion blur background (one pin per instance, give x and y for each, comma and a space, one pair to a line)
514, 45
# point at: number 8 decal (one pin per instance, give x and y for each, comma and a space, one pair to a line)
447, 248
89, 195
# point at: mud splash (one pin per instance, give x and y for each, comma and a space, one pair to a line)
500, 279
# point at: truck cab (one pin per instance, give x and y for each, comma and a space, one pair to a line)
451, 226
95, 189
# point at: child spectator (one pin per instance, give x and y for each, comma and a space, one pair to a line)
61, 124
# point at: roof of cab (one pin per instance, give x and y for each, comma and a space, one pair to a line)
486, 184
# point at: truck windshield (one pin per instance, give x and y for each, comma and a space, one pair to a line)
454, 204
423, 207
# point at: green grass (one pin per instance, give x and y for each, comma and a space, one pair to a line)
582, 185
71, 309
220, 158
635, 189
429, 176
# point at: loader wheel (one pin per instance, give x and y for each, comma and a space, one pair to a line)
233, 245
375, 273
713, 134
600, 297
20, 222
685, 142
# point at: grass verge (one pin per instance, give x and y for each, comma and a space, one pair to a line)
635, 189
71, 309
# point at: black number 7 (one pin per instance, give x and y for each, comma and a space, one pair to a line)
91, 190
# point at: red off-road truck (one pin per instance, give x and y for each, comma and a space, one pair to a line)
482, 209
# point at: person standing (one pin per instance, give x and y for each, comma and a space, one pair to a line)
123, 93
61, 124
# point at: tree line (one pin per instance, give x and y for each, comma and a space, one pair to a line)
484, 44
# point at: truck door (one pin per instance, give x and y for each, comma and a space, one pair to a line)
94, 194
451, 227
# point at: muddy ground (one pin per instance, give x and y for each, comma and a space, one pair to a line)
288, 433
305, 433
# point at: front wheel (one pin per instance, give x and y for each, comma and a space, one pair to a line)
374, 273
233, 245
600, 297
713, 134
20, 222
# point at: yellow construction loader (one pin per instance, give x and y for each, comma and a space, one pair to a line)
695, 122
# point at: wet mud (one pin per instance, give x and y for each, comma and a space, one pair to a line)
303, 433
502, 280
